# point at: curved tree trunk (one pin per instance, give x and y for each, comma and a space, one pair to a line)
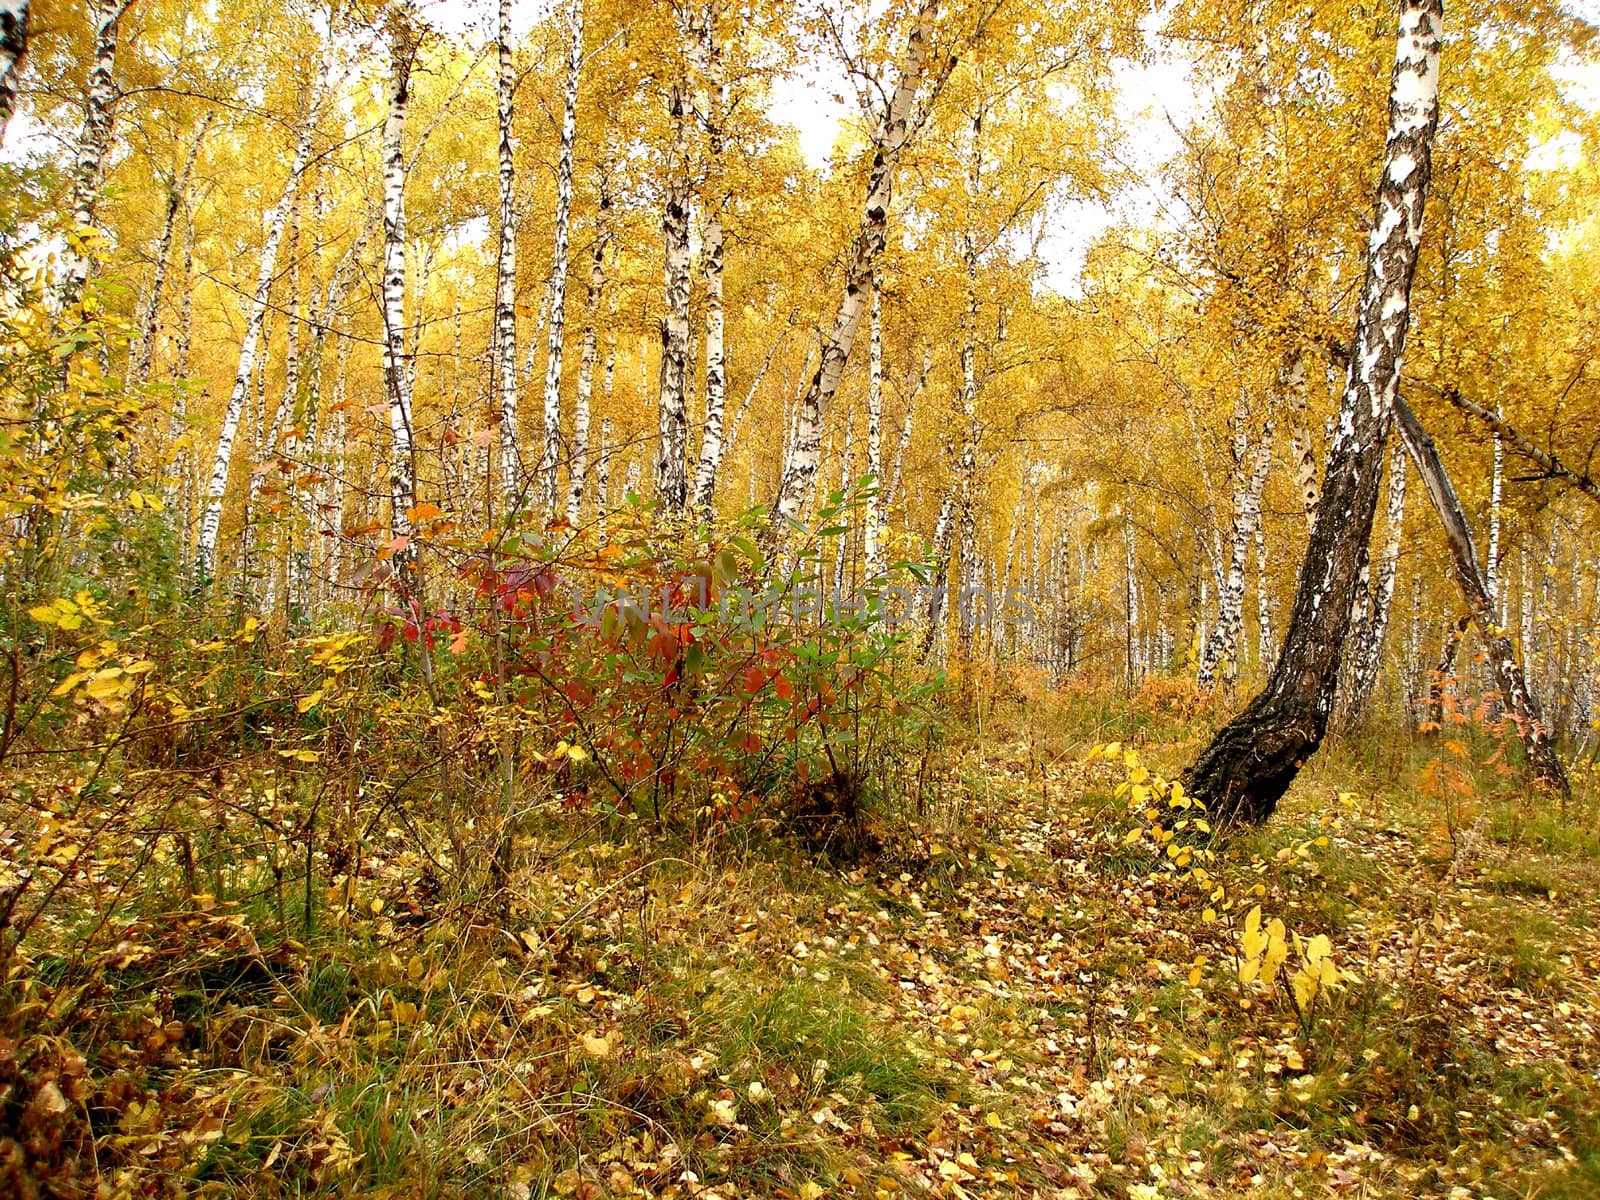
255, 317
1519, 701
889, 139
1253, 759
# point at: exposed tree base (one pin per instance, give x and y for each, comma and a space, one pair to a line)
1252, 760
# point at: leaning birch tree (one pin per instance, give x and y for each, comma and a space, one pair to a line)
255, 318
892, 130
1254, 758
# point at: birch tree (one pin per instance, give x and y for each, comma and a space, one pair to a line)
505, 292
892, 130
875, 500
150, 322
1253, 759
578, 468
1377, 603
255, 317
94, 144
402, 37
709, 59
549, 460
1519, 701
672, 403
13, 45
1221, 649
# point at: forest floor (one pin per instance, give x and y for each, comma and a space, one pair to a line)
1018, 999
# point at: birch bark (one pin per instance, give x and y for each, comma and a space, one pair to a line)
504, 370
1253, 759
1519, 701
94, 144
893, 130
1367, 651
396, 364
255, 316
875, 504
13, 45
550, 458
150, 319
578, 468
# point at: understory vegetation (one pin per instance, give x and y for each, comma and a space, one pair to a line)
230, 972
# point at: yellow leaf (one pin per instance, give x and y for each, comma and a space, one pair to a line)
307, 703
597, 1047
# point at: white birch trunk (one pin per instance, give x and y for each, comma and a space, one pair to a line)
906, 426
1491, 565
255, 316
150, 319
672, 405
1222, 648
396, 358
875, 502
551, 456
1292, 381
893, 129
505, 294
578, 468
709, 57
94, 144
13, 45
1367, 650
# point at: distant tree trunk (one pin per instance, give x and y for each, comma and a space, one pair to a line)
1439, 677
1292, 382
13, 45
396, 364
578, 468
1264, 640
672, 403
875, 502
1491, 562
1519, 701
893, 129
1221, 649
906, 425
505, 293
750, 393
558, 263
150, 320
94, 144
940, 562
1366, 655
1253, 759
255, 317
